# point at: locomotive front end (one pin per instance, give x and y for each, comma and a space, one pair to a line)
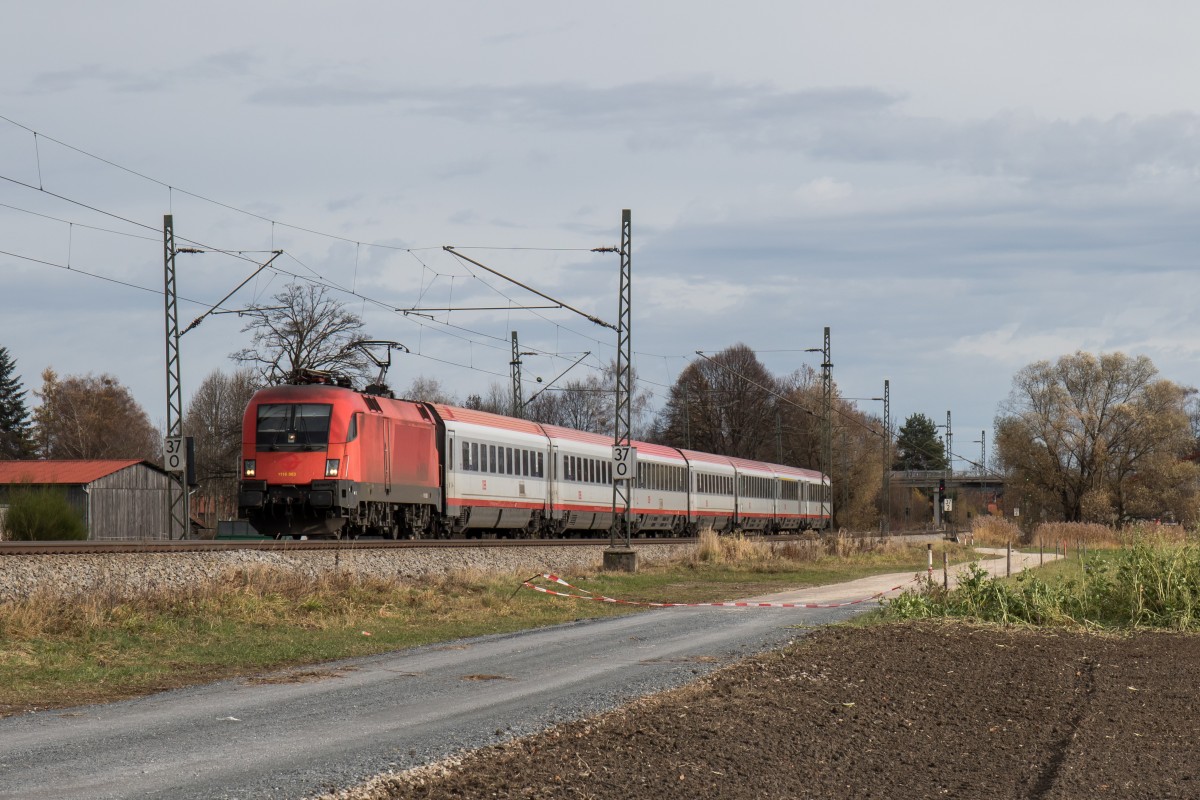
294, 462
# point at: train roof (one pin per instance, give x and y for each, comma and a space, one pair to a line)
706, 458
779, 469
487, 419
643, 448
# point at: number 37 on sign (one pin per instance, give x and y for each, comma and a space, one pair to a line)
624, 462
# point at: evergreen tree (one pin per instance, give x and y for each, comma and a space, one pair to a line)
15, 441
918, 445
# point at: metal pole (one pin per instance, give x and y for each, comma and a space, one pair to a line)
887, 456
778, 438
623, 433
515, 369
687, 415
827, 417
177, 496
949, 447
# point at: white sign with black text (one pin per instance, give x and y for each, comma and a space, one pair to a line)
174, 456
624, 462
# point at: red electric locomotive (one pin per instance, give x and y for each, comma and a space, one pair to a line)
320, 459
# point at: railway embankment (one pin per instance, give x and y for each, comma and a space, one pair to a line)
132, 573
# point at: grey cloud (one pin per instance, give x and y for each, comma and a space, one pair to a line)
230, 62
465, 168
852, 124
114, 80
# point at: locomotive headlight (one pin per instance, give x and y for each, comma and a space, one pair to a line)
248, 468
331, 467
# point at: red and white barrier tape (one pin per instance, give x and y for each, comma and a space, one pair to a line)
603, 599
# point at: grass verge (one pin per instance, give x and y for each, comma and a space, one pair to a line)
57, 651
1144, 582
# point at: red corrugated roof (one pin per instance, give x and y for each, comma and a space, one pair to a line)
62, 472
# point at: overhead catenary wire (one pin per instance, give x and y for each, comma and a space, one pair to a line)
172, 188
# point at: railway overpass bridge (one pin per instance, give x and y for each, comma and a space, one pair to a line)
933, 481
931, 478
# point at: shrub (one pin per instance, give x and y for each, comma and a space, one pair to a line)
41, 514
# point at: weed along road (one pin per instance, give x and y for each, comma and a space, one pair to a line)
299, 732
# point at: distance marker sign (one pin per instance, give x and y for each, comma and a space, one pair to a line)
624, 462
174, 454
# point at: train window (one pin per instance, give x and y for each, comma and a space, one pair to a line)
466, 456
508, 460
352, 430
492, 463
539, 472
292, 425
525, 463
474, 457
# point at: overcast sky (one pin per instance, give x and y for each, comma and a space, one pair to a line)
956, 189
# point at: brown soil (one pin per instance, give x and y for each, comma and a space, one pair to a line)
899, 711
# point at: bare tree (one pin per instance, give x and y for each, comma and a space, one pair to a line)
723, 406
214, 419
309, 330
92, 417
496, 401
1098, 438
428, 390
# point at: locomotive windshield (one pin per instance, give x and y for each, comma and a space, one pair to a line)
293, 426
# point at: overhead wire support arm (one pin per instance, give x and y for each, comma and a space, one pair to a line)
450, 249
216, 305
477, 308
551, 382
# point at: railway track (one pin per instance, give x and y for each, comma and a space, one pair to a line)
208, 546
343, 545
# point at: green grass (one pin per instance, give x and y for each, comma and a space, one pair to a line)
1147, 583
56, 651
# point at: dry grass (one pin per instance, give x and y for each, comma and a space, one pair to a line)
57, 650
990, 531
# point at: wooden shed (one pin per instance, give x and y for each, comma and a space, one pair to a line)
117, 498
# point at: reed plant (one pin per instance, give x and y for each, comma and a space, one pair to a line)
1150, 582
990, 531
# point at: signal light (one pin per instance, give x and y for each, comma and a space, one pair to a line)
248, 468
941, 486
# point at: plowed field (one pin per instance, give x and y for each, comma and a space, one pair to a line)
890, 712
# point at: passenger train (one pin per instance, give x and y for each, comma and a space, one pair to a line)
321, 459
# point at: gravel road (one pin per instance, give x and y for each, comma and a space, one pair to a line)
298, 733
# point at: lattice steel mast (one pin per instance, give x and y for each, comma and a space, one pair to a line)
623, 432
827, 417
177, 495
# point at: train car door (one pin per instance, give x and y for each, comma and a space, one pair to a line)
552, 487
387, 456
448, 480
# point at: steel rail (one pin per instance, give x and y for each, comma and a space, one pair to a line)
343, 545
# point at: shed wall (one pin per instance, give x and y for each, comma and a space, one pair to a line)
128, 504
